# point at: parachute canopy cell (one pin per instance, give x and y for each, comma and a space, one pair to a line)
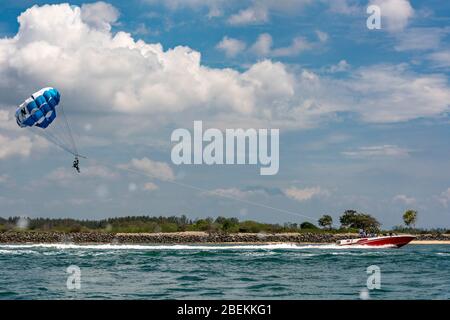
39, 109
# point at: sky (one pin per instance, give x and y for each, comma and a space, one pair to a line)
363, 113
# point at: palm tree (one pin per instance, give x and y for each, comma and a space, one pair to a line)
410, 218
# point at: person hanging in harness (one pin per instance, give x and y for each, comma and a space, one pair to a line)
76, 164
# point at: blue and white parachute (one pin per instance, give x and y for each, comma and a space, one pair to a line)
38, 110
41, 113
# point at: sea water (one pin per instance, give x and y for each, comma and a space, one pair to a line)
278, 271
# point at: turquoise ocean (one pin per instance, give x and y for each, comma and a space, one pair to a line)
272, 271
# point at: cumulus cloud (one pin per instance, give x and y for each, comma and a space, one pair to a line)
250, 15
10, 147
263, 46
304, 194
231, 46
395, 14
112, 73
146, 166
7, 121
393, 93
259, 11
298, 45
378, 151
95, 69
341, 66
99, 15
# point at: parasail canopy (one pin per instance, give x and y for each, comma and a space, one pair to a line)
40, 112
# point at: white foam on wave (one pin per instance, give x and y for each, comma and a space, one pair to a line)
280, 246
17, 252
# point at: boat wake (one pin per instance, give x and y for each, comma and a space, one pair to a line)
280, 246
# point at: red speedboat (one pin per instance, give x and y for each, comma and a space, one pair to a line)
392, 241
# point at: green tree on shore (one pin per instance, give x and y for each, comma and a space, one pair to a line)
357, 220
326, 221
410, 218
308, 226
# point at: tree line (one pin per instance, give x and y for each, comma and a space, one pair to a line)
357, 220
350, 221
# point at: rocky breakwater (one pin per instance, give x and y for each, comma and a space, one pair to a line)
167, 238
183, 237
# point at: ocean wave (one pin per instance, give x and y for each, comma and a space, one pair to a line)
280, 246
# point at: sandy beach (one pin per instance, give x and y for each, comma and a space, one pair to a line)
430, 242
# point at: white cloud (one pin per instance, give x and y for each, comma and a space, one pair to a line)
304, 194
258, 11
440, 59
7, 121
323, 36
263, 45
114, 74
395, 14
61, 175
99, 172
393, 93
404, 199
150, 186
341, 66
378, 151
99, 15
252, 15
298, 45
231, 47
10, 147
420, 39
64, 175
146, 166
83, 57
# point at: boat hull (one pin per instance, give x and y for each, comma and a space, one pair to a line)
392, 241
